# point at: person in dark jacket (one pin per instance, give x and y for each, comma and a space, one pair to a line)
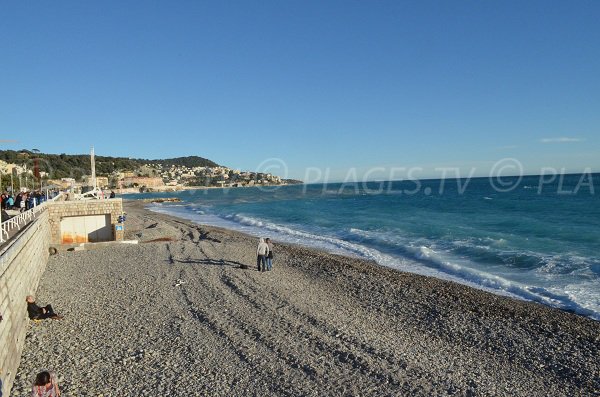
40, 313
269, 255
18, 200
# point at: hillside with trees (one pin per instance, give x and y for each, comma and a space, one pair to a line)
76, 165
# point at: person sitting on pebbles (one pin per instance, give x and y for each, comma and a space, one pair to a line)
45, 385
40, 313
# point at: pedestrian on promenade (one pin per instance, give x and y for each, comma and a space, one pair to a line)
23, 202
18, 200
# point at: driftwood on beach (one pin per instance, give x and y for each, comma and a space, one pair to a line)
178, 316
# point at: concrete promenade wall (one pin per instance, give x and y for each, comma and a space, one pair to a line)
22, 263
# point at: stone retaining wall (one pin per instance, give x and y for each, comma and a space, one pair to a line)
22, 263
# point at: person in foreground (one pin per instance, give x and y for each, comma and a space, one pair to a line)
45, 385
40, 313
261, 255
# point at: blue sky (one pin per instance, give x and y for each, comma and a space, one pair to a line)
317, 84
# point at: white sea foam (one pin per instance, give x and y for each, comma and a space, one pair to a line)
421, 258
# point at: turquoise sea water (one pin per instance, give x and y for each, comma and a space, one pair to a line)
535, 240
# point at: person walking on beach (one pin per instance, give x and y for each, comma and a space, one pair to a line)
269, 254
36, 312
45, 385
261, 255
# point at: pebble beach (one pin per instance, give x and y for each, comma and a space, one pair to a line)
178, 314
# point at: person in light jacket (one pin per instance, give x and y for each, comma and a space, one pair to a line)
261, 255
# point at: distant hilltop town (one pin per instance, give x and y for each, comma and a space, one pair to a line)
31, 170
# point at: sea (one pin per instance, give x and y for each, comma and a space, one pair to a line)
533, 237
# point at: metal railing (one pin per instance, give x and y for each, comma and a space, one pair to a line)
19, 221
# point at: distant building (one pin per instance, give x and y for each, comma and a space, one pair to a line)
101, 181
17, 169
60, 183
143, 181
64, 183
